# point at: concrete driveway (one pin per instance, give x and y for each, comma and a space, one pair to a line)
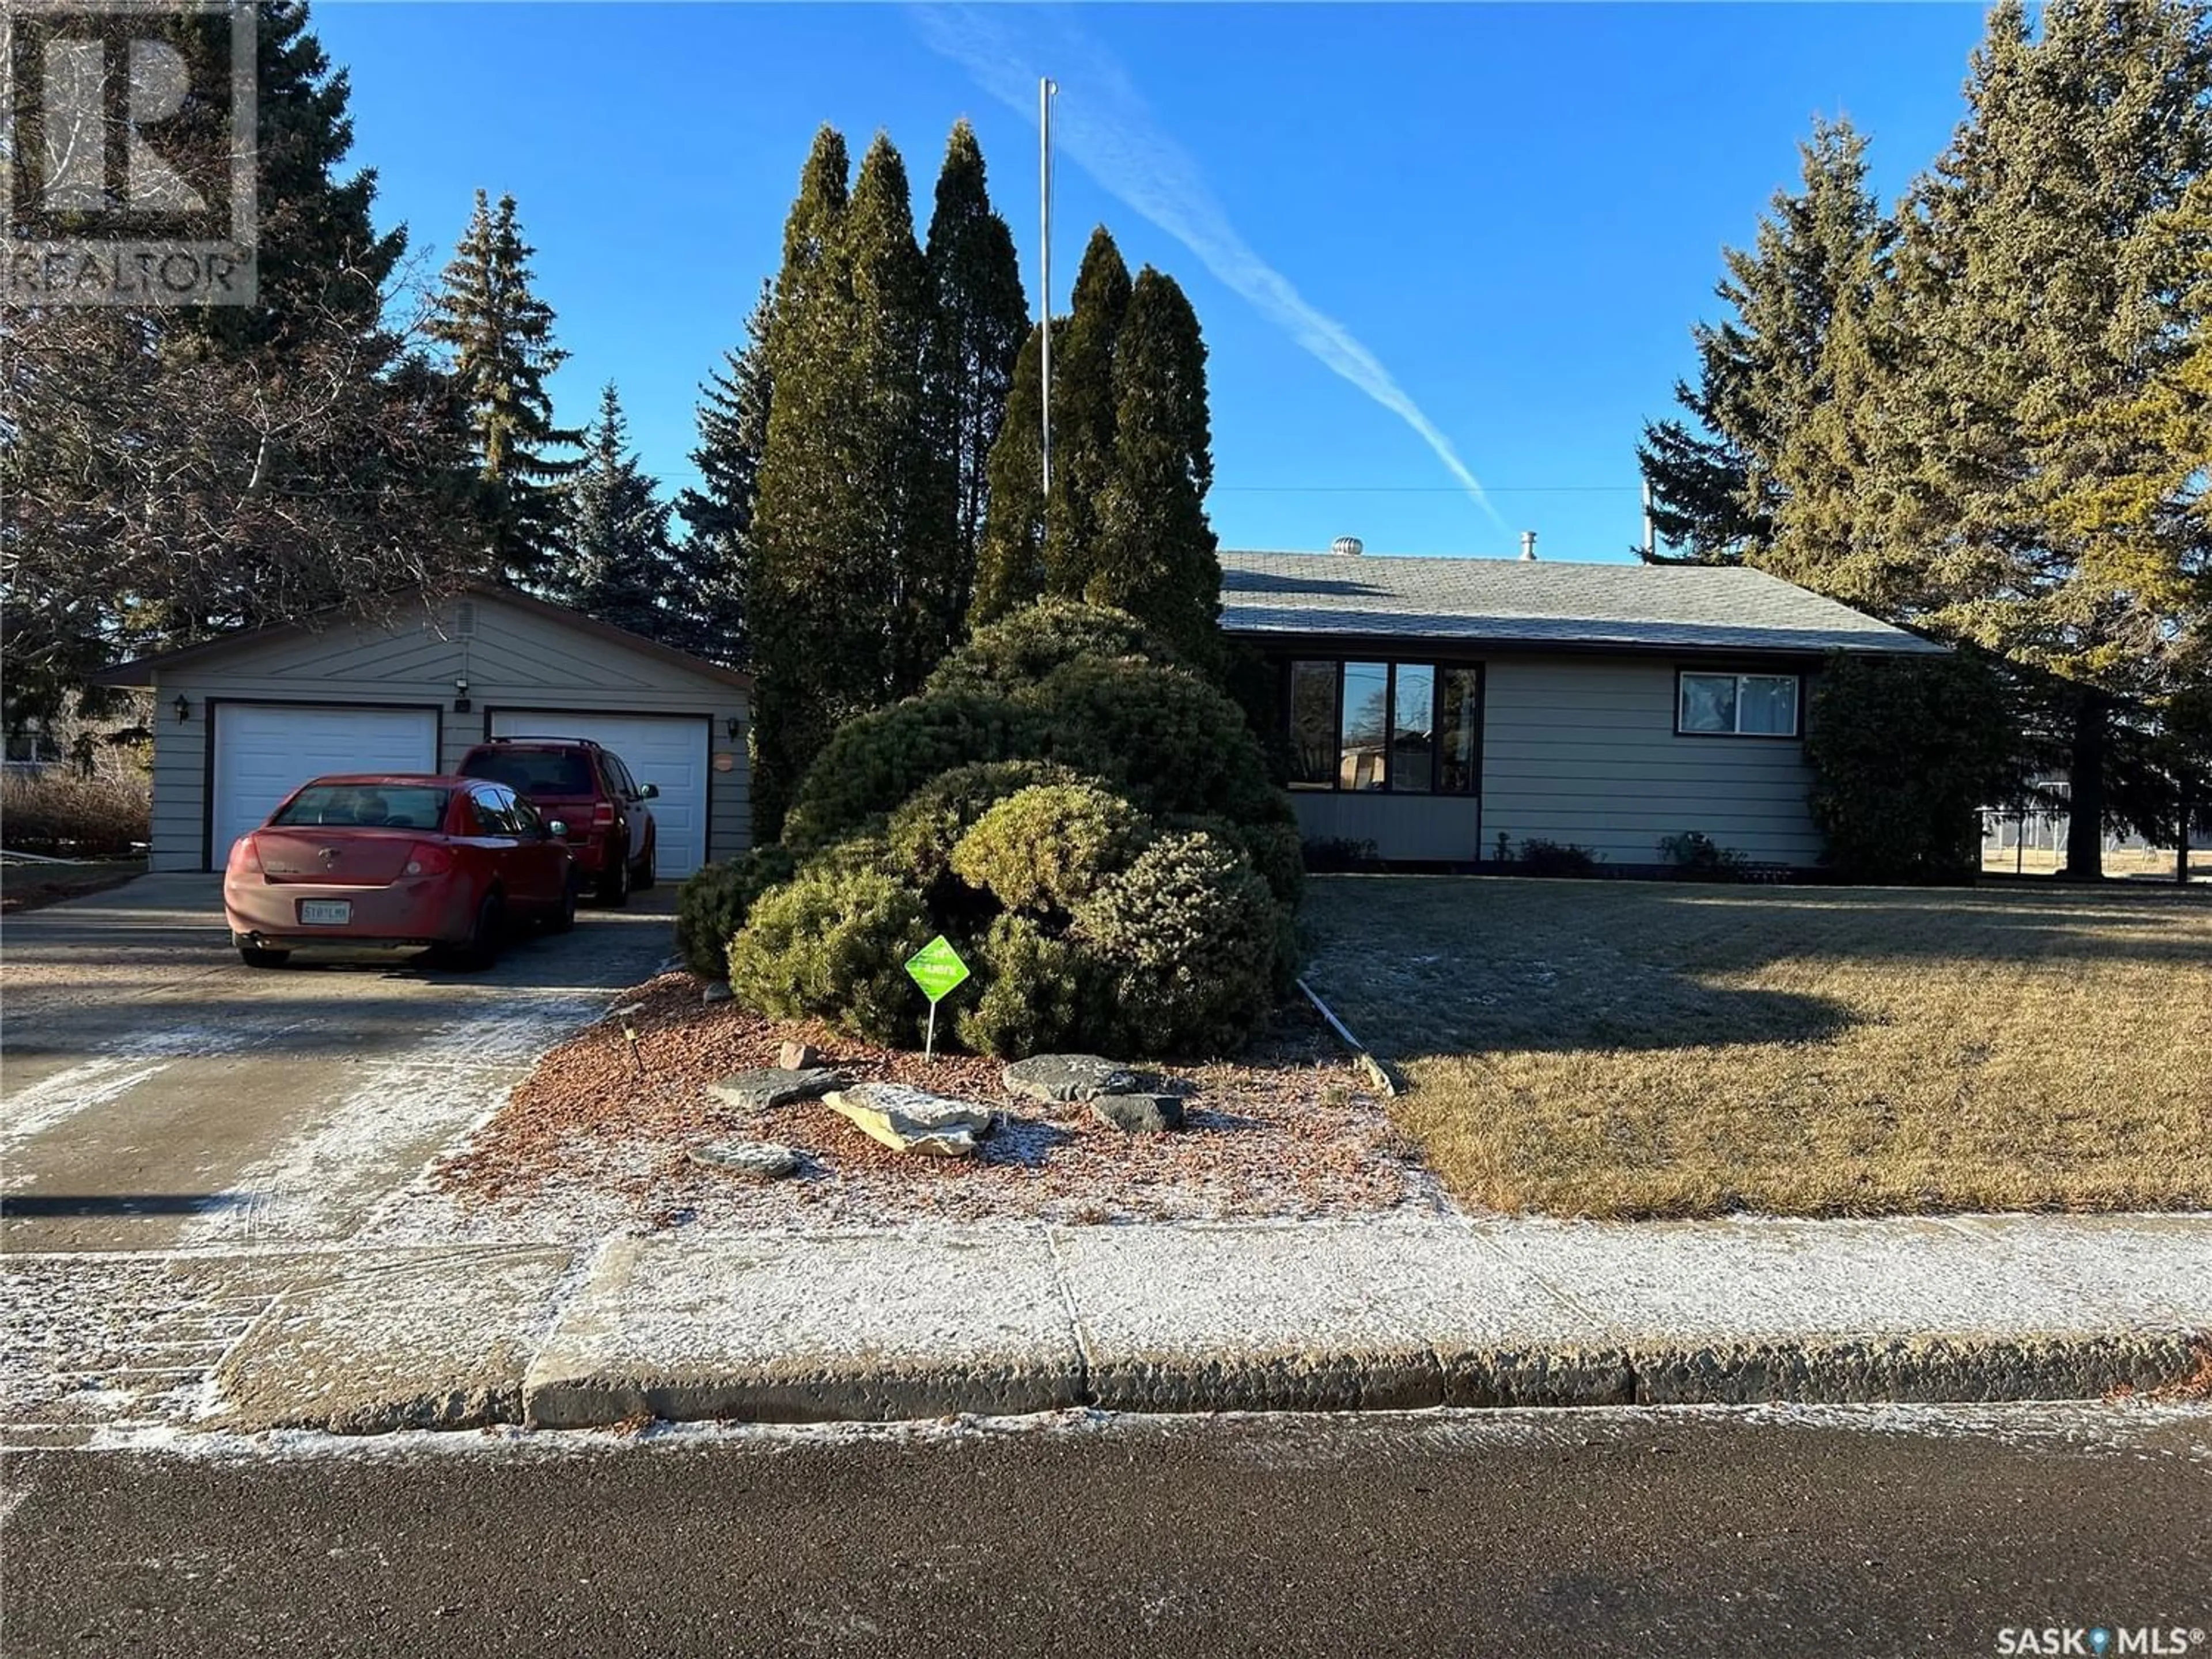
157, 1093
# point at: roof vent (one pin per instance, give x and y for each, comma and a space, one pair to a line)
464, 620
1529, 546
1347, 547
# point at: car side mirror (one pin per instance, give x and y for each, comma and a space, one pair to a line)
557, 830
649, 792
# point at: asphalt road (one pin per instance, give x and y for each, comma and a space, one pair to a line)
1554, 1532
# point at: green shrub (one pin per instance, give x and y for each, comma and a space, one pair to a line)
1022, 648
1274, 848
1329, 855
1038, 993
926, 825
1049, 848
714, 902
1697, 856
858, 855
1540, 857
877, 761
1193, 944
1903, 750
1165, 738
832, 945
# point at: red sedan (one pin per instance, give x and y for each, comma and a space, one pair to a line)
397, 859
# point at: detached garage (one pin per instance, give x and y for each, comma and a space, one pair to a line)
238, 722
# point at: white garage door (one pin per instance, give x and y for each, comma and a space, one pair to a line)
667, 751
264, 750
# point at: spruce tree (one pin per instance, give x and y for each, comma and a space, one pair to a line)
2040, 288
499, 337
1083, 405
614, 561
1715, 478
1009, 559
979, 321
1155, 555
718, 515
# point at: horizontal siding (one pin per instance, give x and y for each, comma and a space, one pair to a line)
1440, 829
516, 659
1584, 749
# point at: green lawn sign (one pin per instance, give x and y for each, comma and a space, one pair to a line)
937, 969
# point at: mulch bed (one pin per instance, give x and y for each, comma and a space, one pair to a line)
1289, 1130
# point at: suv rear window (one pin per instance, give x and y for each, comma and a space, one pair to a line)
533, 771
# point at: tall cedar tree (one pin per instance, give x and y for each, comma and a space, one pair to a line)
1010, 558
717, 545
980, 321
500, 334
1715, 478
855, 517
1083, 403
1156, 552
615, 561
175, 474
2038, 286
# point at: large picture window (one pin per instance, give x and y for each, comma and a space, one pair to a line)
1409, 728
1735, 705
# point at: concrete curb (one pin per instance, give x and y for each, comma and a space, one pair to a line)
1392, 1313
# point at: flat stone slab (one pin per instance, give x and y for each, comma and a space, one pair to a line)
1070, 1077
909, 1120
793, 1329
772, 1086
1139, 1114
761, 1160
435, 1339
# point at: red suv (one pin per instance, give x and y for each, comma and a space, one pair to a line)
586, 787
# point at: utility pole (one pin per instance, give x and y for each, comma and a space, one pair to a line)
1046, 88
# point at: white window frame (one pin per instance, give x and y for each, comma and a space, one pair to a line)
1796, 682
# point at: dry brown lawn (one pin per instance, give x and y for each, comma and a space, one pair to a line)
1620, 1049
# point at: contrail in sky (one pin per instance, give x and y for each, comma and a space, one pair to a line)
1101, 120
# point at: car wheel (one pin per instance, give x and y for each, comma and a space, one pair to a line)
563, 917
253, 955
614, 880
481, 948
648, 872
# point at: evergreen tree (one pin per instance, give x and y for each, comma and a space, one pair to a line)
499, 336
718, 515
1155, 555
615, 561
1009, 559
2040, 289
1082, 406
980, 320
1715, 478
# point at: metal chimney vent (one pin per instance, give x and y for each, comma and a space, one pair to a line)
1529, 546
1347, 547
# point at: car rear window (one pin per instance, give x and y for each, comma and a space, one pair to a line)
533, 771
394, 806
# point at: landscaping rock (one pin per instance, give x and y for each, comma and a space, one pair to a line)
798, 1057
763, 1160
757, 1092
1069, 1076
1139, 1114
913, 1120
717, 990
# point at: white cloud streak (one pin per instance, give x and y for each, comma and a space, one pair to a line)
1101, 122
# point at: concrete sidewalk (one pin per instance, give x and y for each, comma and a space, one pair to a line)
1396, 1312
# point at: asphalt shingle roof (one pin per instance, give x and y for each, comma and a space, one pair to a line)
1538, 602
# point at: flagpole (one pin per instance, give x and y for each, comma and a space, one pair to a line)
1045, 90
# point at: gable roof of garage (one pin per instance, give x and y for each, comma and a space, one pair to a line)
1543, 603
142, 671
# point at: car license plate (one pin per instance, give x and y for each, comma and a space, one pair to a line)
325, 913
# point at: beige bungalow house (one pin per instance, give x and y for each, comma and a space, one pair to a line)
1436, 708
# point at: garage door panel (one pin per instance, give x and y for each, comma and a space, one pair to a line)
669, 751
262, 751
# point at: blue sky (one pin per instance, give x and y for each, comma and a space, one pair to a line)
1496, 224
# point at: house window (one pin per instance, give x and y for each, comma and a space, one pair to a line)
1736, 705
1410, 728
